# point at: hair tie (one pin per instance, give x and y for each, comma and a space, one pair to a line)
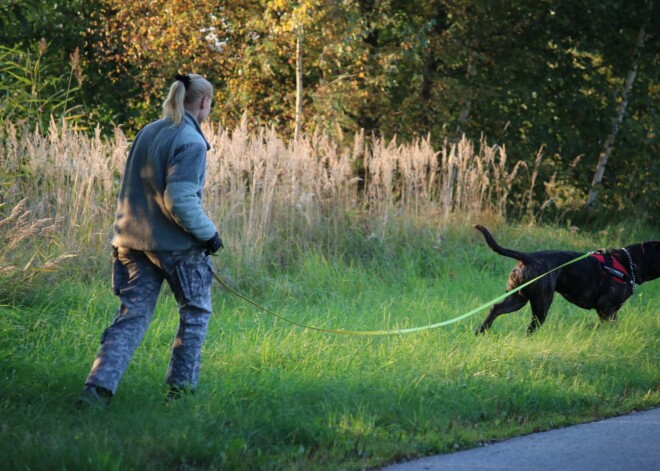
185, 79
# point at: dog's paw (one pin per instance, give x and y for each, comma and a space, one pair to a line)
480, 330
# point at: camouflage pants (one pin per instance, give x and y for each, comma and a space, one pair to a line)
136, 279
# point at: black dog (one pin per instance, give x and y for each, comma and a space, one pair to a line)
602, 281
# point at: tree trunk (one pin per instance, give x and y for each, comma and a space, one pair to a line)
461, 122
616, 124
468, 94
299, 83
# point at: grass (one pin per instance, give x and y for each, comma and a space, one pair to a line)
363, 235
274, 396
264, 193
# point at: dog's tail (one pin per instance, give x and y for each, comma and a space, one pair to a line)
490, 240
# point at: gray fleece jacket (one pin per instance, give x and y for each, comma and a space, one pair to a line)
160, 200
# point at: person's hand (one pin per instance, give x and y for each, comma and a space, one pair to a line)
213, 244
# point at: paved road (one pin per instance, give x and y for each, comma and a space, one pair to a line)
630, 442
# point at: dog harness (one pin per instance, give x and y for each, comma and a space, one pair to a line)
611, 267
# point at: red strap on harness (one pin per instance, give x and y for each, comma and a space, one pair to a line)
612, 267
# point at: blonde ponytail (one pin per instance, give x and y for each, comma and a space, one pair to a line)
173, 106
185, 90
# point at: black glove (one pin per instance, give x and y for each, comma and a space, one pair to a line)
214, 244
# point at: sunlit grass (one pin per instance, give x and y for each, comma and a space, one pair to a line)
275, 396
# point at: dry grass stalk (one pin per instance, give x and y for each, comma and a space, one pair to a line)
22, 238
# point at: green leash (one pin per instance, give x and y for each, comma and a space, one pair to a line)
398, 331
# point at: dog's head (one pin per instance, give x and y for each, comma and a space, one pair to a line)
651, 257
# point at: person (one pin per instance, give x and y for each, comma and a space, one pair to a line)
161, 232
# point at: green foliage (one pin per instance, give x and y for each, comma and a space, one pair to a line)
68, 63
25, 22
32, 95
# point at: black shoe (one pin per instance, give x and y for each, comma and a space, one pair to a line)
94, 397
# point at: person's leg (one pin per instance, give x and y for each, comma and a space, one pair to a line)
137, 282
190, 279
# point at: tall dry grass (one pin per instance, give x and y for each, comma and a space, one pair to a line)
262, 191
25, 248
64, 175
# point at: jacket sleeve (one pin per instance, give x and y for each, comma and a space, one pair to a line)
183, 191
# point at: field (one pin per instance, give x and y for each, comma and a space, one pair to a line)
273, 395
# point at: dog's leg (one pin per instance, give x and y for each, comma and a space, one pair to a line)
540, 306
510, 304
608, 313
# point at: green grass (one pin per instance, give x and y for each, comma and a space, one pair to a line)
274, 396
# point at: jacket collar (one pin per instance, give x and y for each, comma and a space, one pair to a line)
190, 120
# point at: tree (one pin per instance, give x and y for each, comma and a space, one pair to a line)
616, 124
140, 45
